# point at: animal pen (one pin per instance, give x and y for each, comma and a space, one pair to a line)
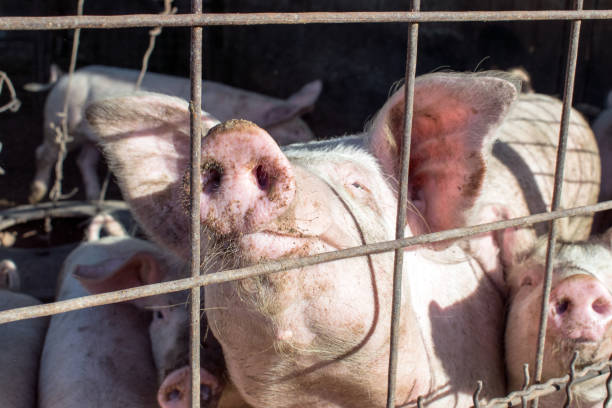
412, 19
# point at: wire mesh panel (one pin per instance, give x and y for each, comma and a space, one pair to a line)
196, 20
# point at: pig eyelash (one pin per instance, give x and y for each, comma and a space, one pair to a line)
359, 186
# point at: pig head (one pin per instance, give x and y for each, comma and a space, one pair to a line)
319, 336
579, 316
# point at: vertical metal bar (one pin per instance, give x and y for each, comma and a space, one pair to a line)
195, 107
411, 56
570, 73
570, 383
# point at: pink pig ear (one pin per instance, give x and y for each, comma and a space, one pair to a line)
145, 138
297, 104
454, 118
142, 268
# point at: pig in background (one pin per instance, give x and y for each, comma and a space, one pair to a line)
602, 126
319, 336
280, 117
101, 355
116, 355
21, 344
579, 317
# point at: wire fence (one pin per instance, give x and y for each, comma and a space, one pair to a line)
197, 20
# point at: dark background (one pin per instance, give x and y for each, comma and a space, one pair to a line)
358, 63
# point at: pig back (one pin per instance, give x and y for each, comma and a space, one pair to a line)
521, 168
20, 347
101, 355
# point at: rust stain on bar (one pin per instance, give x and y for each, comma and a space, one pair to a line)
227, 19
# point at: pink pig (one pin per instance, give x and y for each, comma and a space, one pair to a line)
319, 336
579, 317
92, 83
20, 344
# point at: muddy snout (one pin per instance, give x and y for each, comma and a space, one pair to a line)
246, 179
581, 308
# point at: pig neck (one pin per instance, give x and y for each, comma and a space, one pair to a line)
460, 315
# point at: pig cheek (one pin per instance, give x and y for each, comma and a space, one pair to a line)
522, 334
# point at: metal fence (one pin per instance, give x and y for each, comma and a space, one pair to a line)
197, 20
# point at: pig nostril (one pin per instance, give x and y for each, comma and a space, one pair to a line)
173, 395
562, 306
263, 178
211, 181
601, 306
205, 393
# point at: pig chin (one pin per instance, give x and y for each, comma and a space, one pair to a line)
589, 352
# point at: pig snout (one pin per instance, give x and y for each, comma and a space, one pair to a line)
175, 391
246, 180
581, 308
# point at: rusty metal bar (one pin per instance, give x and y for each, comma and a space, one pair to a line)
19, 215
570, 73
402, 203
195, 109
228, 19
286, 264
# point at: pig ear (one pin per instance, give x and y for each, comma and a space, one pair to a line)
297, 104
142, 268
145, 138
454, 118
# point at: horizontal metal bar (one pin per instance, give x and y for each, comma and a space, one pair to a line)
594, 372
67, 209
183, 20
285, 264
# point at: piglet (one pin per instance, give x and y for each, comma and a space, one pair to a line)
579, 317
169, 326
101, 355
20, 344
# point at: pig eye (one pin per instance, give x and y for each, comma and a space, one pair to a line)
355, 185
159, 314
527, 281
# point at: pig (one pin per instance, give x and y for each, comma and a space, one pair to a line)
602, 126
169, 324
280, 117
579, 316
21, 343
101, 355
318, 336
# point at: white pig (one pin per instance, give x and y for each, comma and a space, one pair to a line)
20, 345
579, 317
602, 126
318, 336
92, 83
169, 327
99, 356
